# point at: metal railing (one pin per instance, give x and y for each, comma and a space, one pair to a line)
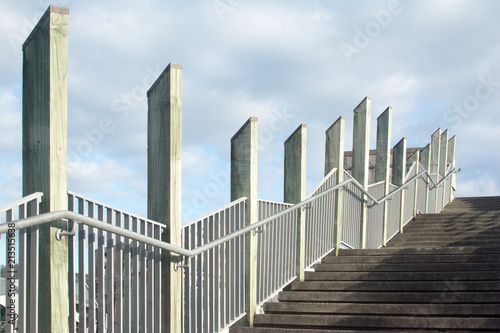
115, 248
20, 274
213, 281
276, 249
114, 278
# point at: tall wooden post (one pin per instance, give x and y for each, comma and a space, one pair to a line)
425, 161
414, 159
295, 189
443, 157
360, 156
164, 183
383, 160
435, 158
244, 184
334, 158
45, 69
451, 159
399, 173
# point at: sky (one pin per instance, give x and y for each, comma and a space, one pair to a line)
286, 62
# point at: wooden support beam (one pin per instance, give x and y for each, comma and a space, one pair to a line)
435, 151
414, 158
164, 183
435, 159
425, 161
443, 156
295, 189
399, 173
451, 160
244, 184
334, 158
45, 69
383, 160
360, 156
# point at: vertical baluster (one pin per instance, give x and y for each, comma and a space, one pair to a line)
110, 275
186, 285
22, 295
91, 248
222, 264
101, 286
118, 276
10, 266
217, 274
134, 285
193, 275
126, 277
142, 279
71, 272
228, 275
82, 306
150, 281
199, 279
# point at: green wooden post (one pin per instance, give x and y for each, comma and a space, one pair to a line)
435, 158
45, 69
398, 174
442, 162
383, 160
164, 183
244, 184
425, 161
295, 189
334, 158
414, 158
360, 156
451, 159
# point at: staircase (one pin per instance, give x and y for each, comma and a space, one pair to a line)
441, 275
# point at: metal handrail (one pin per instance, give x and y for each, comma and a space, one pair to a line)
28, 198
78, 218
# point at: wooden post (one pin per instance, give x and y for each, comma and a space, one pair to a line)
425, 161
295, 189
360, 156
383, 160
443, 156
451, 159
244, 184
435, 158
164, 183
45, 69
398, 174
414, 159
334, 158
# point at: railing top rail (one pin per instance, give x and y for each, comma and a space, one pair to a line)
323, 181
229, 205
275, 202
17, 203
48, 217
97, 203
376, 184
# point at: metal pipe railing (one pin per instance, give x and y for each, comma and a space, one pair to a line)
62, 215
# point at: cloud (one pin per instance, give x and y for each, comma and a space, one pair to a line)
259, 59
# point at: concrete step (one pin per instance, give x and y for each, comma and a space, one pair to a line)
492, 249
442, 274
312, 330
403, 276
407, 267
398, 286
376, 322
451, 297
429, 258
436, 309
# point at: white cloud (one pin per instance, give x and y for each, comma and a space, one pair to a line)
261, 59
